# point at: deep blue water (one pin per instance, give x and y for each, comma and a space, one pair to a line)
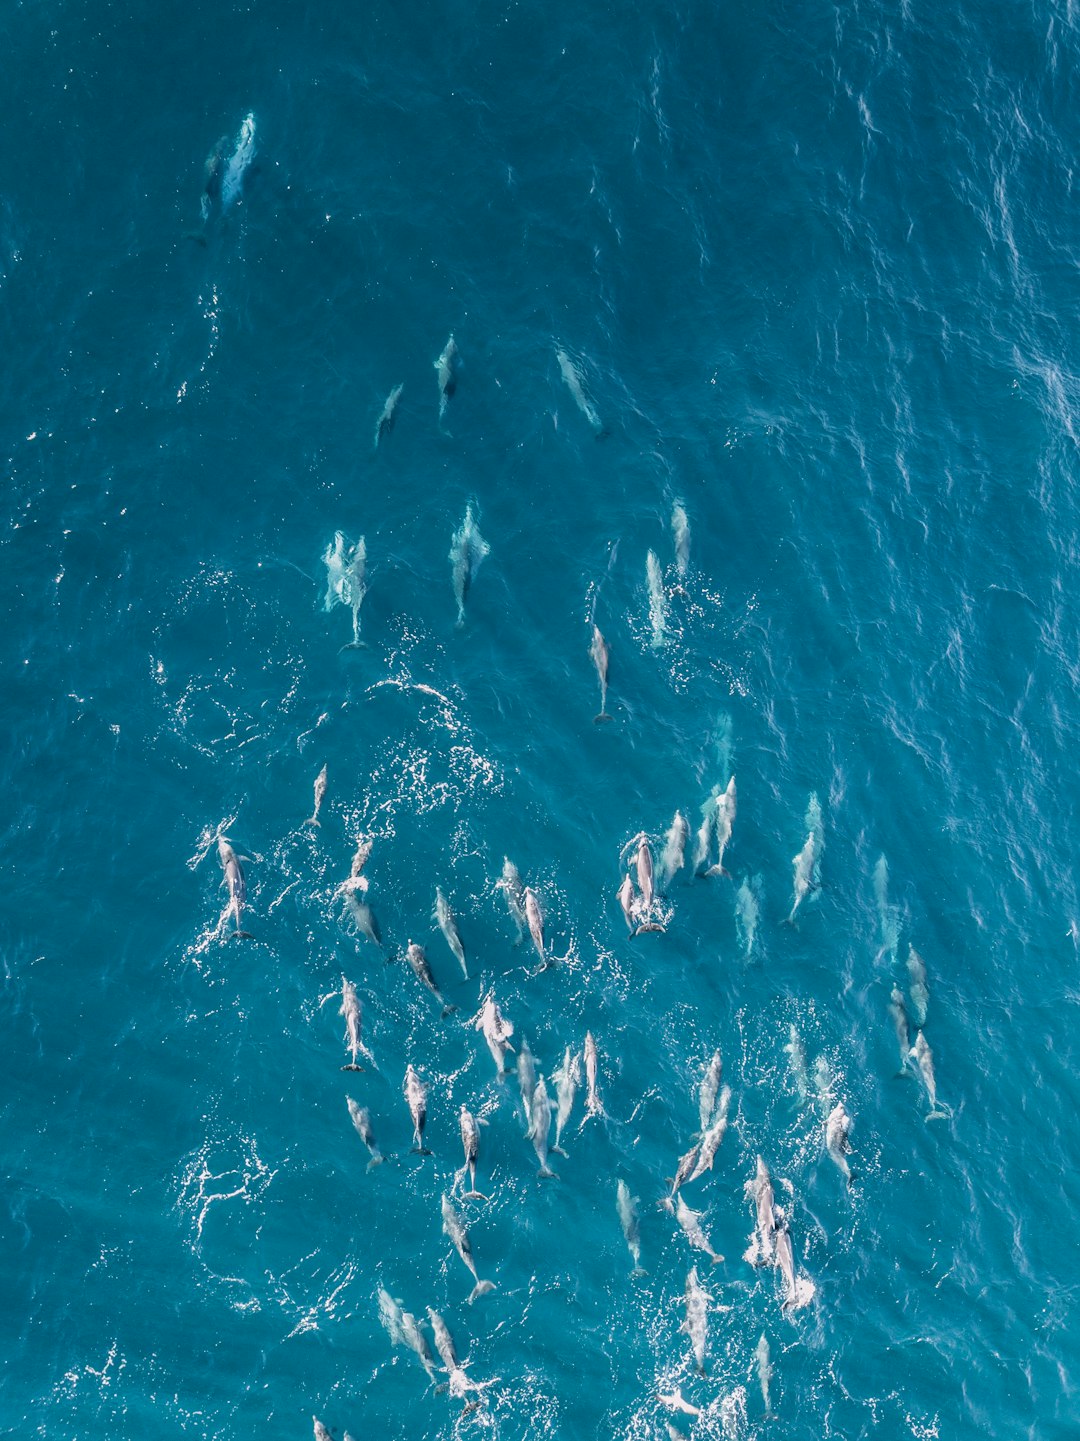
817, 270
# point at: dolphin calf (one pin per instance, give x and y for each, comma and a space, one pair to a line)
526, 1069
385, 423
572, 375
416, 1341
598, 652
723, 821
898, 1013
454, 1227
626, 1206
628, 900
320, 792
416, 1094
233, 878
361, 1119
444, 368
448, 925
467, 551
837, 1127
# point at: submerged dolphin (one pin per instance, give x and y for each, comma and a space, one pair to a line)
467, 551
572, 375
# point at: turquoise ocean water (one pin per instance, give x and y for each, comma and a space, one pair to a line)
815, 270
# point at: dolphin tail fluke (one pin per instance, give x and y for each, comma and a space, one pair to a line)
448, 1011
375, 1161
939, 1113
474, 1196
421, 1151
547, 1174
352, 1066
558, 1151
480, 1289
638, 1272
601, 719
715, 1258
313, 821
243, 936
353, 645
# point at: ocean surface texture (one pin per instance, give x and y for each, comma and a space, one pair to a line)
764, 324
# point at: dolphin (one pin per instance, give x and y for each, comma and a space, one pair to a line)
918, 989
709, 1090
593, 1104
710, 1141
361, 913
416, 1095
526, 1069
690, 1221
567, 1079
321, 1433
534, 917
510, 885
460, 1383
470, 1144
391, 1317
684, 1169
359, 861
837, 1126
540, 1127
385, 423
900, 1022
417, 1342
233, 877
454, 1227
680, 530
746, 914
467, 551
444, 367
764, 1370
658, 605
448, 925
497, 1031
696, 1324
350, 1009
320, 792
356, 590
572, 375
628, 1219
763, 1241
723, 821
923, 1057
418, 963
806, 864
232, 182
797, 1056
888, 915
361, 1119
598, 651
674, 856
627, 902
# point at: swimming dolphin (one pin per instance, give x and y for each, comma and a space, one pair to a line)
598, 651
233, 877
674, 856
321, 1433
900, 1022
709, 1090
350, 1009
567, 1079
763, 1241
923, 1057
225, 171
497, 1031
320, 792
723, 821
467, 551
526, 1069
540, 1127
696, 1324
837, 1127
470, 1144
454, 1227
917, 989
448, 925
593, 1104
418, 963
627, 900
746, 914
764, 1370
658, 604
534, 917
510, 885
680, 530
361, 1119
631, 1228
416, 1341
710, 1141
385, 423
416, 1095
572, 376
797, 1056
361, 913
690, 1222
444, 367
